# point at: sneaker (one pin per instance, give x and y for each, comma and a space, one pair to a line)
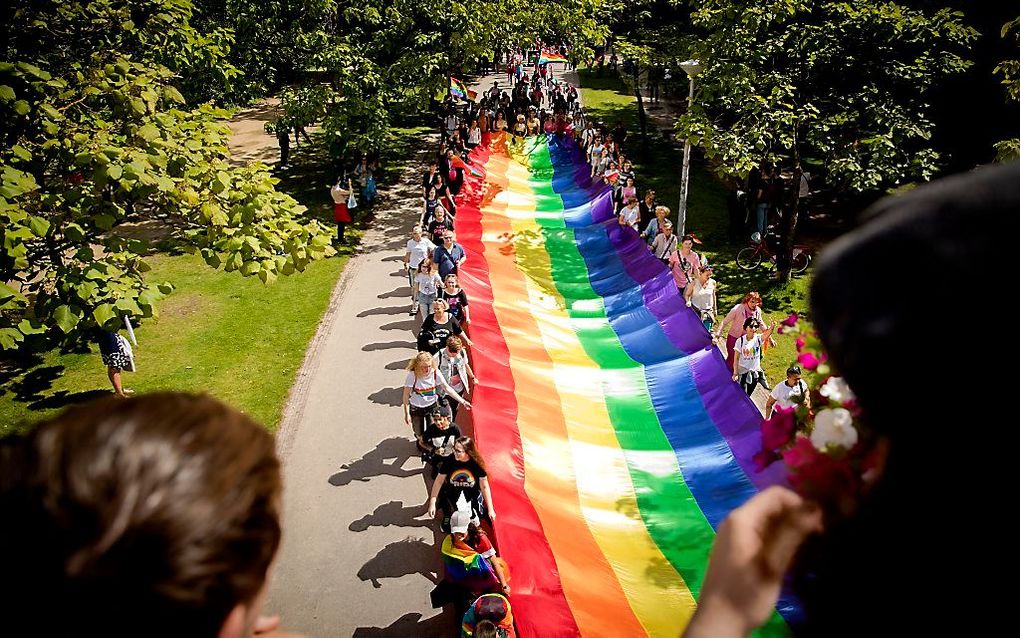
414, 309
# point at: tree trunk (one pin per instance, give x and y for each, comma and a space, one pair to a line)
642, 117
788, 228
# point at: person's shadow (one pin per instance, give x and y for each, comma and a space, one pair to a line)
388, 458
412, 624
393, 513
402, 558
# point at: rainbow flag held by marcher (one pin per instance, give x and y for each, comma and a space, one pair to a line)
467, 567
457, 162
459, 89
548, 56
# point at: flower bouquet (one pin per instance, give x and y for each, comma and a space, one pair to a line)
827, 449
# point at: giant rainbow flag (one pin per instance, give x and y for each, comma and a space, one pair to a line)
615, 440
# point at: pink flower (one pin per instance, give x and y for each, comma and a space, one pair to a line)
808, 360
801, 342
789, 322
764, 458
777, 432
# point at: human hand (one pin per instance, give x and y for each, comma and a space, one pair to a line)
753, 549
506, 589
407, 419
492, 515
467, 406
735, 377
430, 510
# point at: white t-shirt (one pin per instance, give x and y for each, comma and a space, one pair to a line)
419, 250
425, 391
787, 397
703, 295
428, 284
453, 369
475, 136
631, 215
748, 354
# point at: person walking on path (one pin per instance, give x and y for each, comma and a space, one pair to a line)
685, 263
748, 360
421, 392
462, 483
450, 256
453, 363
419, 249
700, 296
425, 288
788, 393
438, 327
342, 200
735, 318
456, 298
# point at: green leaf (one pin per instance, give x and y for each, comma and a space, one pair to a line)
8, 294
31, 327
10, 338
129, 306
39, 225
114, 171
74, 232
250, 268
67, 317
104, 313
149, 297
104, 222
21, 107
22, 152
6, 93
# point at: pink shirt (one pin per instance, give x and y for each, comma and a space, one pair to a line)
678, 273
738, 316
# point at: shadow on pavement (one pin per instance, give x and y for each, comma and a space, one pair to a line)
412, 624
400, 291
393, 513
407, 324
402, 558
388, 396
388, 345
384, 310
398, 450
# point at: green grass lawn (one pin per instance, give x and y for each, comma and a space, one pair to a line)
218, 332
659, 167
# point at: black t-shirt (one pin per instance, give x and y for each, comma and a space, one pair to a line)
441, 439
647, 213
457, 302
433, 335
462, 477
437, 229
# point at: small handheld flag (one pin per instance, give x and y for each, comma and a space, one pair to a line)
460, 90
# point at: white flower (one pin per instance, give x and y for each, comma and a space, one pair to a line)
834, 428
836, 389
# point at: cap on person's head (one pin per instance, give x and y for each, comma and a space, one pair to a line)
459, 522
491, 607
445, 411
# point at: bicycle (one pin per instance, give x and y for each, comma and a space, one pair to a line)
760, 250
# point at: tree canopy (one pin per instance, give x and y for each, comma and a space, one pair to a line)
842, 87
97, 132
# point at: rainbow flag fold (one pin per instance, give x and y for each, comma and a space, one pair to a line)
615, 440
460, 90
548, 56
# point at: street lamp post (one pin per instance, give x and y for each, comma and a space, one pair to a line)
692, 68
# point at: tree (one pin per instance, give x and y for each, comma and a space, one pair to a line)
1009, 70
95, 133
840, 87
